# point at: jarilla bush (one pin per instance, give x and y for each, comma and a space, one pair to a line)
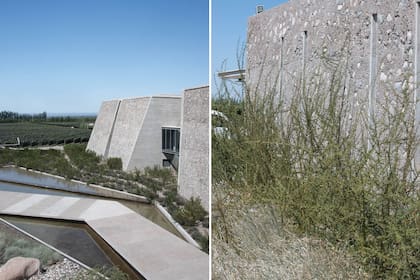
308, 157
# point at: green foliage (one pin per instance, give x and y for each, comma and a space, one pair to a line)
15, 117
190, 213
156, 179
10, 247
37, 133
163, 175
203, 240
114, 163
84, 160
51, 161
308, 155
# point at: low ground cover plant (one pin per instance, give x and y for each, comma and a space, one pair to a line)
15, 245
155, 183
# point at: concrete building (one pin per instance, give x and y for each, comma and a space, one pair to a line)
131, 129
376, 42
159, 131
195, 145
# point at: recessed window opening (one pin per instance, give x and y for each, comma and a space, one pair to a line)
281, 65
170, 140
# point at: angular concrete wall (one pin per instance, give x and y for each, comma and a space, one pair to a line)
163, 111
128, 125
102, 130
131, 129
193, 173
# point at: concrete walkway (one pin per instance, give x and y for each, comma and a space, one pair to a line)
152, 251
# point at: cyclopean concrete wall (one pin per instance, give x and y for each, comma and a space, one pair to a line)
131, 129
132, 132
162, 112
102, 130
377, 38
193, 173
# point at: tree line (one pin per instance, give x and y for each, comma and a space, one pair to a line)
13, 116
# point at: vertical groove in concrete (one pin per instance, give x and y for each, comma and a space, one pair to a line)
281, 66
304, 51
372, 72
108, 143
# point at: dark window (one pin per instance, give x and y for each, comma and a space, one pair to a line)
177, 137
170, 140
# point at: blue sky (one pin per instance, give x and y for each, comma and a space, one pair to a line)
70, 55
229, 25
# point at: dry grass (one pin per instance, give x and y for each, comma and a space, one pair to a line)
259, 247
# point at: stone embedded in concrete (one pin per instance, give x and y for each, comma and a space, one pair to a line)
336, 30
193, 173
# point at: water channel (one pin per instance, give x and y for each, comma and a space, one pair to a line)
73, 238
19, 180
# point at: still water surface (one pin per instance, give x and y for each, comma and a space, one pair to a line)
18, 180
75, 239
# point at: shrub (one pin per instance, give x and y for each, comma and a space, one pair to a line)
26, 248
85, 160
114, 163
202, 240
164, 175
330, 170
184, 218
190, 213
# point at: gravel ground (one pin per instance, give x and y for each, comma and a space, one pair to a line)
64, 270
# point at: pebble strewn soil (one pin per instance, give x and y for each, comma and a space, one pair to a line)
64, 270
